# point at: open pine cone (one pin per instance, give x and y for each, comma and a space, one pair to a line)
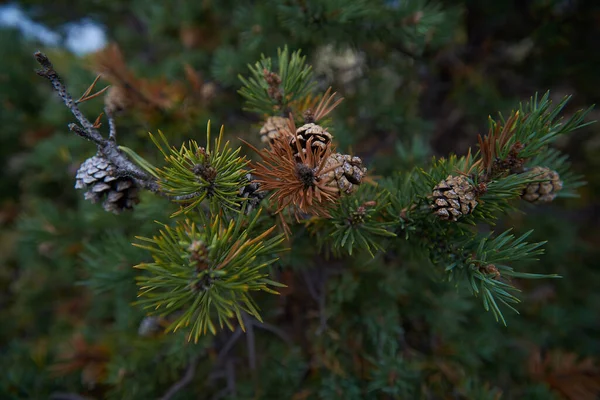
344, 172
453, 197
320, 137
97, 175
272, 128
252, 192
545, 190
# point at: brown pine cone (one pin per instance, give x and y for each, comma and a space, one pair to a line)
344, 172
320, 137
271, 130
545, 190
453, 197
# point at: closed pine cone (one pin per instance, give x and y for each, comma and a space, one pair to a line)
453, 197
96, 174
271, 130
320, 137
344, 172
545, 190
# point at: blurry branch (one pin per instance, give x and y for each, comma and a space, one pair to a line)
89, 131
67, 396
183, 382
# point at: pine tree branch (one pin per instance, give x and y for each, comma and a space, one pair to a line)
112, 134
47, 71
274, 330
250, 342
67, 396
87, 130
183, 382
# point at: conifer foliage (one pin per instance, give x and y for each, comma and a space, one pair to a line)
305, 177
256, 210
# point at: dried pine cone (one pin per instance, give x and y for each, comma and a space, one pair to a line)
271, 130
453, 197
97, 175
344, 172
320, 137
545, 190
253, 193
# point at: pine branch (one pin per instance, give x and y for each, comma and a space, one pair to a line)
187, 378
207, 270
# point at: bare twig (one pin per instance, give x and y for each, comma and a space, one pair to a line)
250, 341
273, 329
112, 127
49, 73
230, 368
230, 343
67, 396
184, 381
185, 196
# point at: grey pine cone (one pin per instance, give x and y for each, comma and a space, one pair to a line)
96, 174
252, 192
453, 197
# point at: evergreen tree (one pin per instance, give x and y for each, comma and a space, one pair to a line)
341, 234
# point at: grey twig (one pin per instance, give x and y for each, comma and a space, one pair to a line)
183, 382
184, 196
47, 71
229, 345
230, 368
250, 341
67, 396
274, 330
112, 127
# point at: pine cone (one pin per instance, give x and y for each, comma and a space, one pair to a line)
545, 190
320, 137
453, 197
271, 130
346, 172
97, 175
253, 193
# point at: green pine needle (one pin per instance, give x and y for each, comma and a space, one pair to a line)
194, 173
296, 83
203, 273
